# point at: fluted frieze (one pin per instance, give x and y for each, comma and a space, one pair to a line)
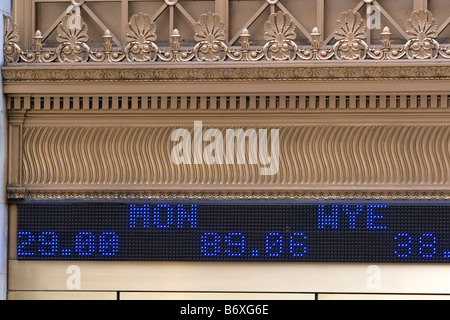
391, 157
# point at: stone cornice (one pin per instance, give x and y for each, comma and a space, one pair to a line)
228, 72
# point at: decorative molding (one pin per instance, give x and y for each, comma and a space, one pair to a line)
421, 29
369, 157
87, 157
186, 195
232, 72
350, 34
351, 30
221, 102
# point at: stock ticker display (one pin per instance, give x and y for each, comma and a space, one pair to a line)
221, 231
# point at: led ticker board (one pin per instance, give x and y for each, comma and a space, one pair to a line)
220, 231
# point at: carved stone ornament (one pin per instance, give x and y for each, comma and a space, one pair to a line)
233, 72
380, 132
421, 29
11, 48
140, 37
72, 42
386, 52
280, 34
350, 33
210, 34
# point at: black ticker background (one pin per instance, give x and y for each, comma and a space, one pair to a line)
236, 232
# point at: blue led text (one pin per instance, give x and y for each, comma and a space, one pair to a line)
163, 216
424, 245
234, 244
345, 216
373, 218
86, 243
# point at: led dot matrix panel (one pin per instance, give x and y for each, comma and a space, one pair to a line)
221, 231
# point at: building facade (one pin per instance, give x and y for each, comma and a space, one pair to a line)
341, 105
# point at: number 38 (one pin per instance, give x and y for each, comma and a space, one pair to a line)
425, 245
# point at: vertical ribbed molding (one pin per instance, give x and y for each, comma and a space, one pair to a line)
5, 9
